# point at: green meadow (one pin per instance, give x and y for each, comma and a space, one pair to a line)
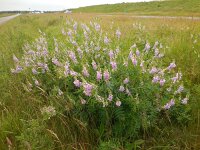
6, 14
20, 109
163, 8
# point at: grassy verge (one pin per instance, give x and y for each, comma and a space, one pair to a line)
6, 14
168, 7
179, 36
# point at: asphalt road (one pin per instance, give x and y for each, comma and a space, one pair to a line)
5, 19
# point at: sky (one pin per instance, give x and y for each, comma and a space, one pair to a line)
6, 5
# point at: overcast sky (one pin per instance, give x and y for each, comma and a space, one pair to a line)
54, 4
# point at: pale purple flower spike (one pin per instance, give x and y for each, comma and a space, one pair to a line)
118, 103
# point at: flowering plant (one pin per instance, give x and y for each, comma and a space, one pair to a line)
92, 76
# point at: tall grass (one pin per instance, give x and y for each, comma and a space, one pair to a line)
20, 109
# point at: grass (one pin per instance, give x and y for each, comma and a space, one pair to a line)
6, 14
168, 7
17, 106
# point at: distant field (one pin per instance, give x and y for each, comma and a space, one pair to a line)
168, 7
17, 107
6, 14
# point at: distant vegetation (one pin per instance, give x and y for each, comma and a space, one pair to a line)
170, 7
6, 14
